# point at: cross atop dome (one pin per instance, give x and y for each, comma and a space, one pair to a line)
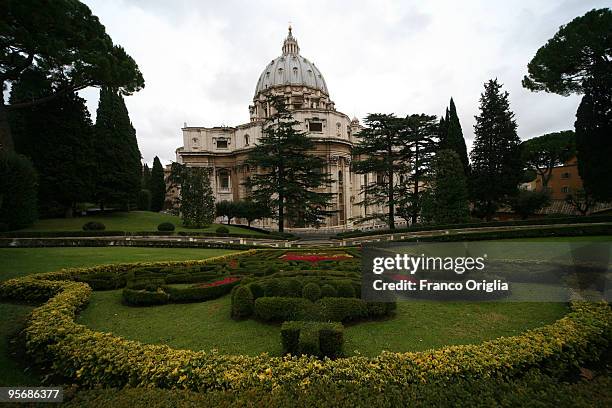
290, 45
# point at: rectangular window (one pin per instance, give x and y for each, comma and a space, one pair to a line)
315, 126
221, 144
565, 175
224, 181
565, 189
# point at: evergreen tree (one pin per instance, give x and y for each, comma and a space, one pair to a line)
146, 177
118, 157
290, 176
496, 164
447, 199
157, 186
452, 136
594, 141
196, 201
67, 44
58, 137
17, 191
418, 147
380, 154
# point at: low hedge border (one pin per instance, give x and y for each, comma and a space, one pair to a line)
93, 358
535, 221
569, 231
104, 233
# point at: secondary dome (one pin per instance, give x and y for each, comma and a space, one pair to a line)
291, 69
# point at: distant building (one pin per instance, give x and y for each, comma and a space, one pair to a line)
564, 180
225, 149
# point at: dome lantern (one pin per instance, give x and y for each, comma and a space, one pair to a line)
290, 45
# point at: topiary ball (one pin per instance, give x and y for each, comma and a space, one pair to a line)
311, 291
93, 226
222, 230
165, 226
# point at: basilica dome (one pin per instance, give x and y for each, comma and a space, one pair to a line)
291, 69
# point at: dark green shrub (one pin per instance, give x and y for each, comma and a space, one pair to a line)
166, 227
272, 287
242, 303
143, 282
331, 339
222, 230
328, 290
292, 287
290, 336
18, 188
257, 290
144, 298
199, 294
311, 291
309, 341
344, 289
342, 309
284, 308
94, 226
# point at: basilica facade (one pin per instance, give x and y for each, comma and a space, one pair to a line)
225, 149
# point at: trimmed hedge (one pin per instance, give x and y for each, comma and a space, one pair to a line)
571, 231
94, 226
312, 338
311, 291
134, 297
198, 294
166, 227
242, 302
91, 358
284, 308
532, 390
535, 221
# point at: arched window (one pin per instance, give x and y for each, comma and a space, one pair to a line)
246, 140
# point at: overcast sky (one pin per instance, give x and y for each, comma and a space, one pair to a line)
201, 59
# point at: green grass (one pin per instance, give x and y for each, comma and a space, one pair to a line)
11, 374
196, 326
133, 221
417, 325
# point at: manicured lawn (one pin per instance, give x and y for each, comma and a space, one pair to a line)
16, 262
132, 221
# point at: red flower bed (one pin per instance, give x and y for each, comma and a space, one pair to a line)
315, 257
225, 281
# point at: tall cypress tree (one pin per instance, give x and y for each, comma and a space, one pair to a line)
158, 186
453, 137
594, 140
290, 176
496, 162
446, 202
146, 177
58, 137
118, 157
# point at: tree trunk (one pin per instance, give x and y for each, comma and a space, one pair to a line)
6, 138
391, 190
281, 213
